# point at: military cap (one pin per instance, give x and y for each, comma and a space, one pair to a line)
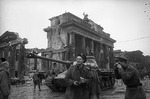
121, 58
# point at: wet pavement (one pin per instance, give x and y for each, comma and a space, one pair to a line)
26, 92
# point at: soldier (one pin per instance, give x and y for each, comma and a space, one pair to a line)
130, 77
36, 80
55, 70
78, 79
4, 79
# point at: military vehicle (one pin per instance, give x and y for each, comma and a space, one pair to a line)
58, 84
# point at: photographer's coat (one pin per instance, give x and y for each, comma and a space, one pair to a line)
81, 91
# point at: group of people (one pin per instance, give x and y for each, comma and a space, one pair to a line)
82, 81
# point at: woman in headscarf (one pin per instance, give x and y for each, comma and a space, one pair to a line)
4, 79
95, 85
78, 79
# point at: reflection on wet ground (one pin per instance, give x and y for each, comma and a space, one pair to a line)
26, 92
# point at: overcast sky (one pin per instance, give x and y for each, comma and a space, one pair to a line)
127, 21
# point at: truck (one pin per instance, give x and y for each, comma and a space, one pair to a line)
68, 36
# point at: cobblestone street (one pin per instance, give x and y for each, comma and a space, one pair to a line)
26, 92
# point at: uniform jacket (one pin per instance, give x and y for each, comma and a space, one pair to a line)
4, 84
131, 79
130, 76
36, 79
81, 91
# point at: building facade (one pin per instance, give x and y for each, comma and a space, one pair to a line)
12, 48
69, 35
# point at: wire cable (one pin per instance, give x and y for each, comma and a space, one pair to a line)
134, 39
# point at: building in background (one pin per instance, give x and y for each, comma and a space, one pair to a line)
69, 35
12, 48
136, 59
33, 64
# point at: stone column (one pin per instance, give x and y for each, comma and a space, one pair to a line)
67, 43
43, 61
50, 62
104, 56
21, 65
92, 48
35, 63
107, 57
111, 58
83, 45
6, 50
12, 61
72, 44
46, 61
47, 65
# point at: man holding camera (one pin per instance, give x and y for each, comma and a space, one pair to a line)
130, 77
78, 78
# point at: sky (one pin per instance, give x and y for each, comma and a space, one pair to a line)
127, 21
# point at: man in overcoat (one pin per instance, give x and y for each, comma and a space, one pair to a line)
78, 78
4, 79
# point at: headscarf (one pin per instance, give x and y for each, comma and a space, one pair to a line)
4, 66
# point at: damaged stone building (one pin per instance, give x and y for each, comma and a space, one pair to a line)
12, 48
69, 35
